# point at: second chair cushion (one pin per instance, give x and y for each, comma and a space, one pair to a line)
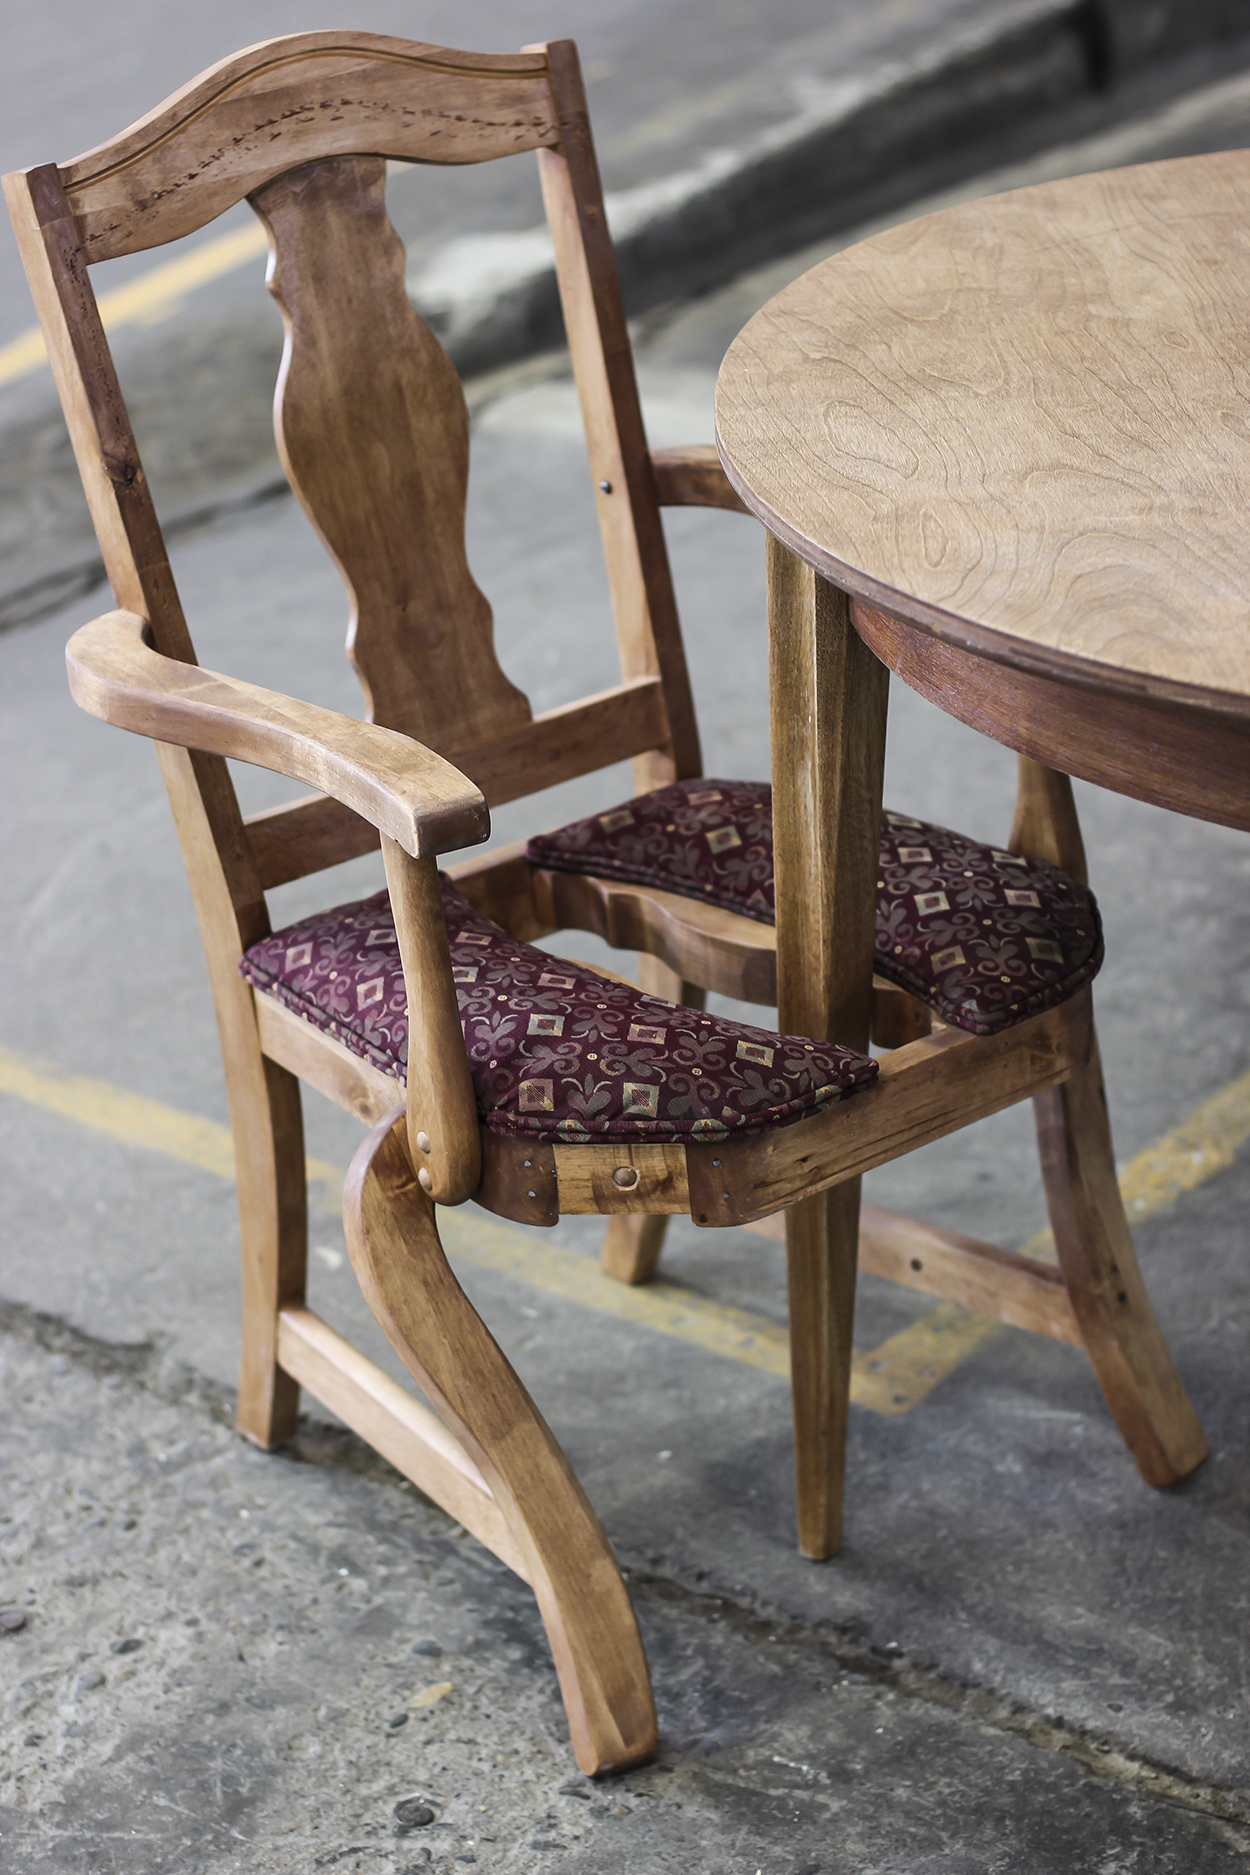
984, 937
555, 1050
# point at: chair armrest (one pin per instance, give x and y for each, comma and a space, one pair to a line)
692, 477
407, 791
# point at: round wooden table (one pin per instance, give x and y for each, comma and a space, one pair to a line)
1003, 451
1017, 432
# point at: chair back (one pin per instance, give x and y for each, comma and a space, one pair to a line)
371, 419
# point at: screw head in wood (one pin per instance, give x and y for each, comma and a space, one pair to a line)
605, 488
626, 1176
424, 1180
423, 1141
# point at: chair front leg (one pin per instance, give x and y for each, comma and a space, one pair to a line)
393, 1240
822, 1248
442, 1109
632, 1244
268, 1126
828, 697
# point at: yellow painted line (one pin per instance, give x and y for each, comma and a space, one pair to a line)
21, 355
890, 1379
886, 1378
430, 1695
132, 1118
1205, 1142
153, 296
905, 1369
665, 1308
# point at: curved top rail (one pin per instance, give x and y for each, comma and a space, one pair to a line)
288, 101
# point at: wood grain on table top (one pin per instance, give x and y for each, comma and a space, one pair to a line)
1027, 415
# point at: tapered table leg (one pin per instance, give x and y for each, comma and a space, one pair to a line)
828, 697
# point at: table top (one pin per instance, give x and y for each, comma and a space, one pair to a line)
1023, 425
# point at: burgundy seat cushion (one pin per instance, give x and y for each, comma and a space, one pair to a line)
984, 937
555, 1050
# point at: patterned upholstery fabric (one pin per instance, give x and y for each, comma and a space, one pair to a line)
983, 937
555, 1050
703, 839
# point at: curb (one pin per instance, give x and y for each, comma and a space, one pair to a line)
851, 146
853, 150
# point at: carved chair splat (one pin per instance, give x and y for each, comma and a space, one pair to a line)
373, 433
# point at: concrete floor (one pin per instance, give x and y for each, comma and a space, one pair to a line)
316, 1646
1023, 1660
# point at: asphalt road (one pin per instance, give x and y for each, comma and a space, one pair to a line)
667, 81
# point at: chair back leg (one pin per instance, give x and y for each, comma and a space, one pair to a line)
266, 1117
268, 1126
632, 1245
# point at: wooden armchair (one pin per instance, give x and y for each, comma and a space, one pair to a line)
428, 1013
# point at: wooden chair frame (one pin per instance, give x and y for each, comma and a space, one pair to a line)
285, 125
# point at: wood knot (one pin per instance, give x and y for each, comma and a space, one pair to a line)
122, 474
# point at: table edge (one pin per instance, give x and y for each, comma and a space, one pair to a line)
985, 641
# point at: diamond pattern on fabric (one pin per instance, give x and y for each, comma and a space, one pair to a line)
985, 938
711, 840
555, 1051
